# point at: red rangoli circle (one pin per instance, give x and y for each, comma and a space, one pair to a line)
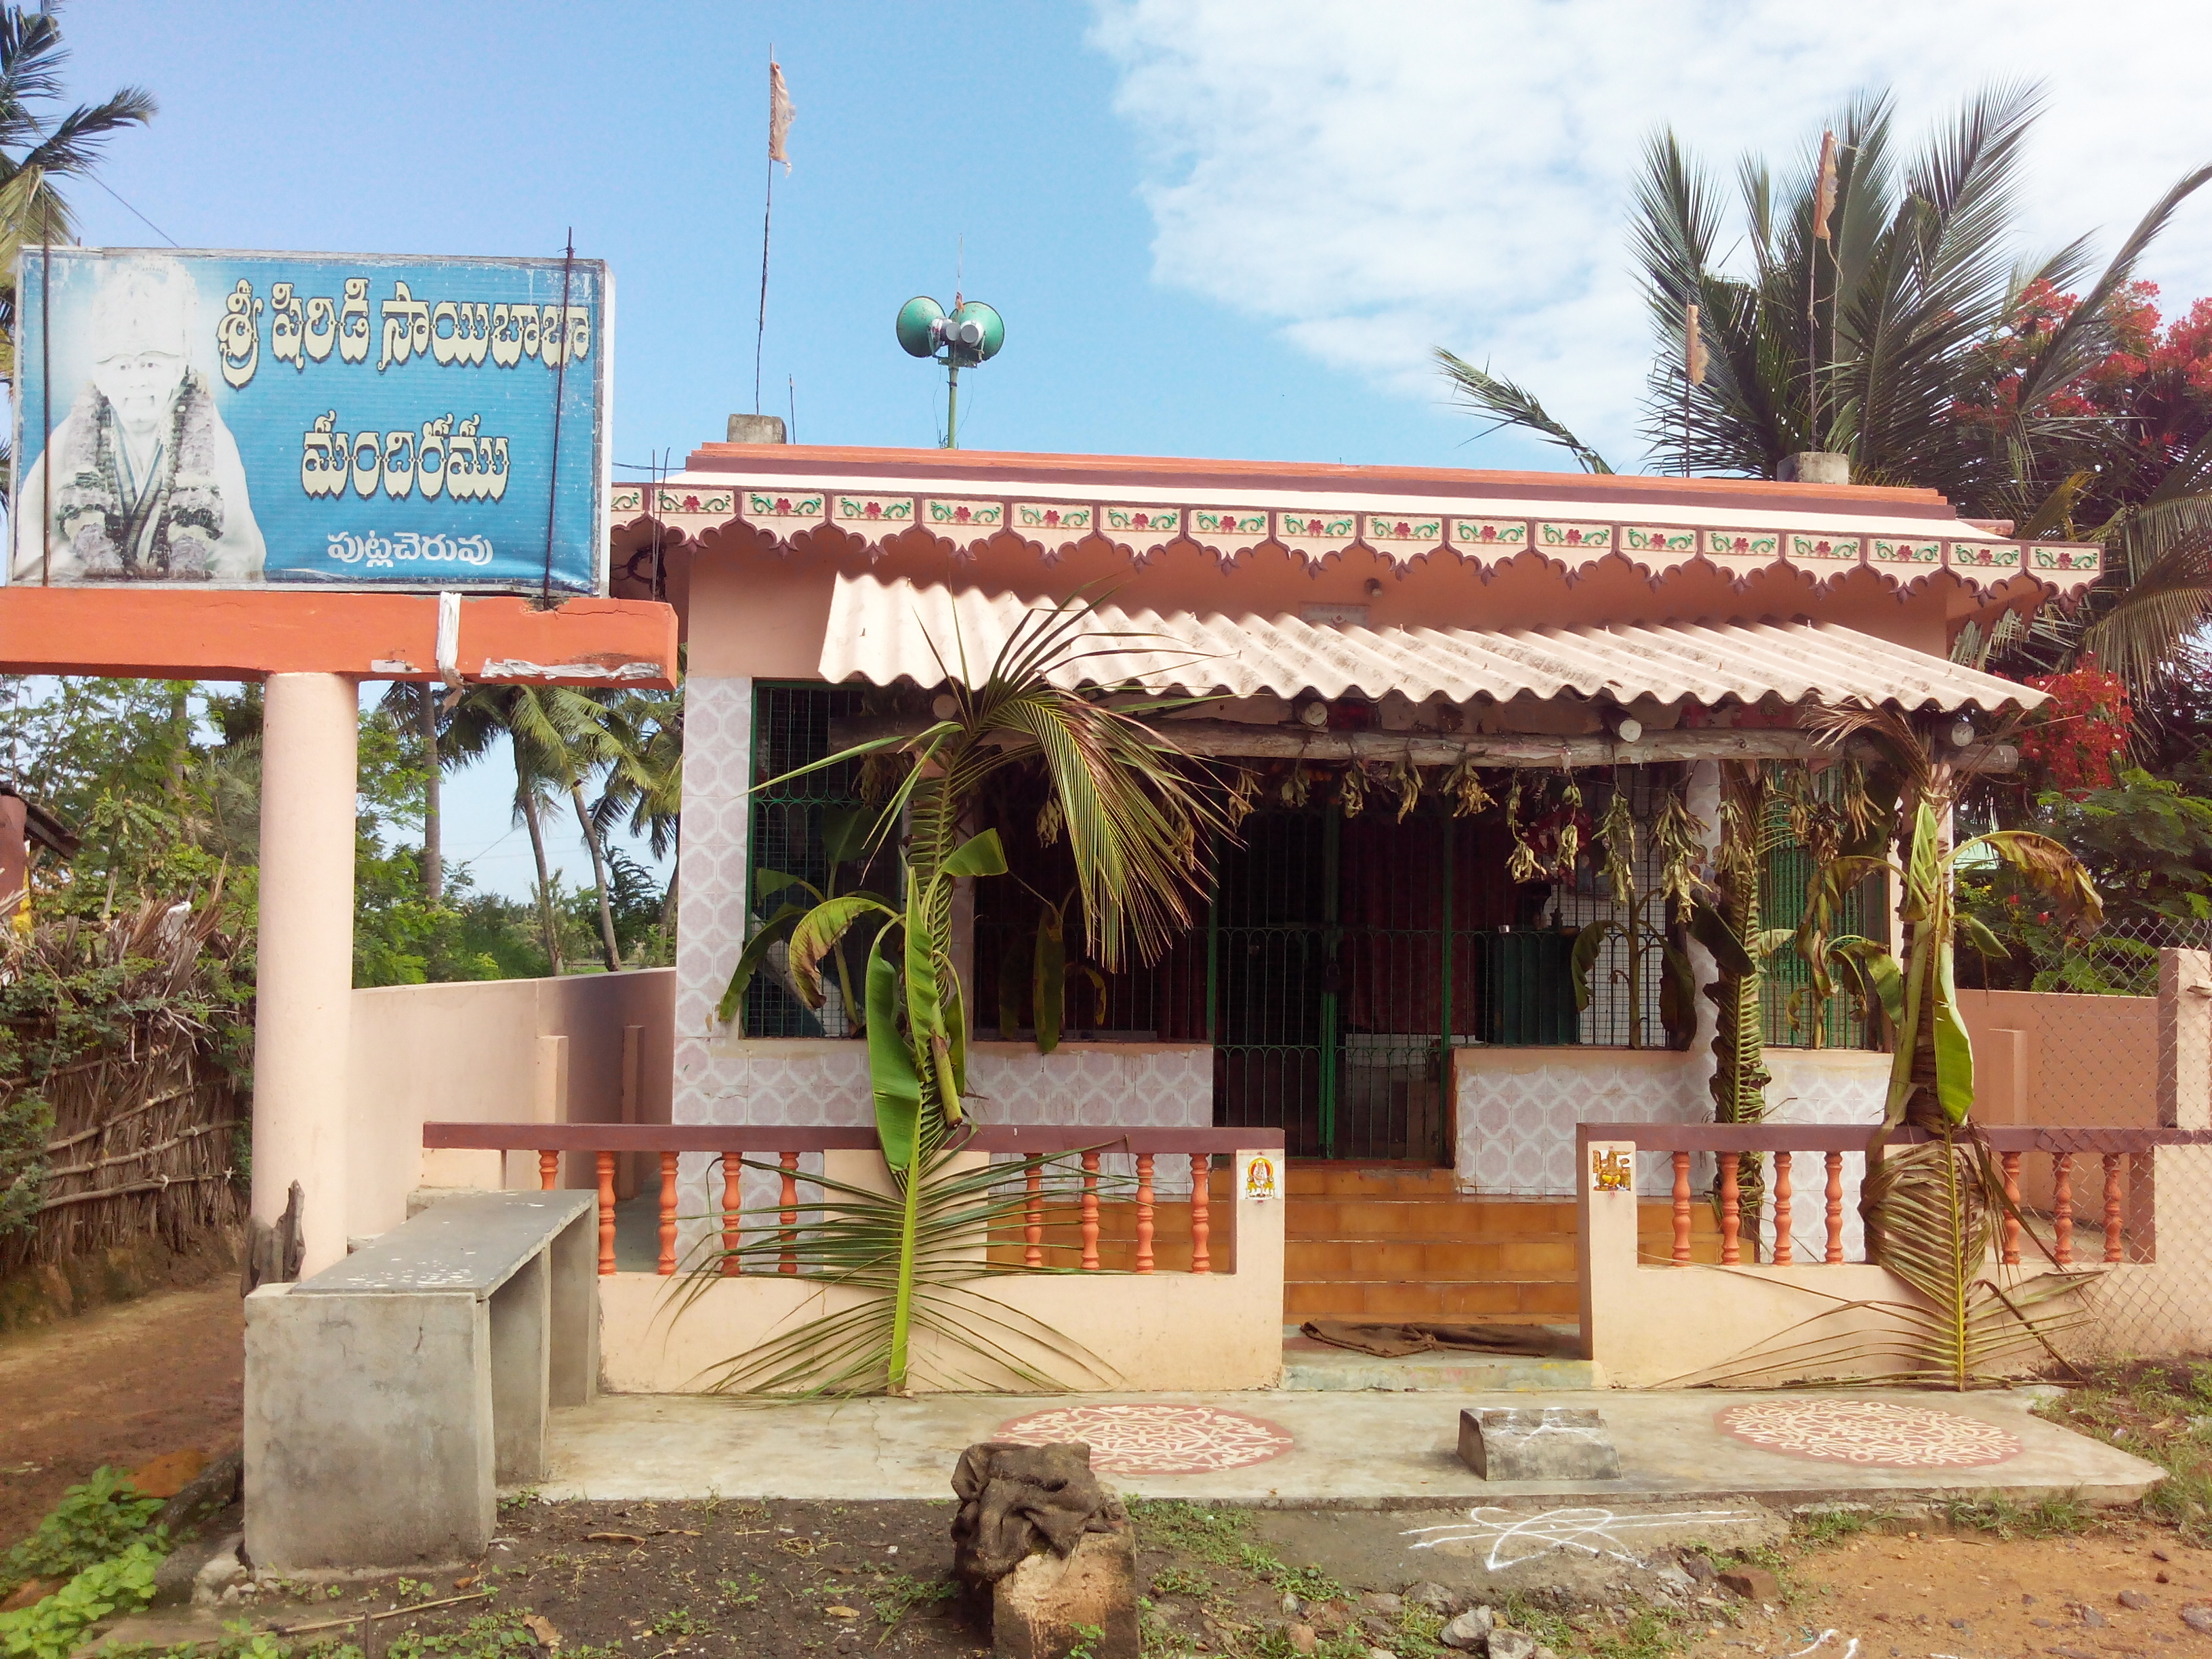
1881, 1433
1147, 1439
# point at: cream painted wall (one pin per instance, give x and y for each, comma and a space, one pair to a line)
489, 1051
1141, 1331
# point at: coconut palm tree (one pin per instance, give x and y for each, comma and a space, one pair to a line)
1876, 310
644, 778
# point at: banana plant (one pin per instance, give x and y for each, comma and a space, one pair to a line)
1047, 970
1930, 1208
844, 839
1133, 817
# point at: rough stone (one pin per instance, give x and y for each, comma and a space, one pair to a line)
1468, 1632
170, 1473
218, 1571
1505, 1644
1675, 1580
1383, 1602
1304, 1638
1380, 1653
1699, 1565
1431, 1595
215, 1488
2198, 1618
1036, 1607
1547, 1443
2134, 1599
2092, 1618
1752, 1584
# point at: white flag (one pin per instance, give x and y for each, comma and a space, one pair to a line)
779, 114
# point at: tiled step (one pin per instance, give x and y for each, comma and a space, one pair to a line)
1400, 1258
1476, 1301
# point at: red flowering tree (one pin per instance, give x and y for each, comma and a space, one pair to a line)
2080, 738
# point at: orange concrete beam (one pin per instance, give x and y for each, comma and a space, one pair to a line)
173, 633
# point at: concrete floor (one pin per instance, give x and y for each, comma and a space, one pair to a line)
1358, 1451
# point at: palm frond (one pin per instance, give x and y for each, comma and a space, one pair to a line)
1511, 405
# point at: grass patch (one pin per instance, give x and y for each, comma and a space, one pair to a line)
2048, 1517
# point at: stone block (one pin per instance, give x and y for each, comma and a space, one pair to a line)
1511, 1645
1470, 1632
1048, 1606
1753, 1583
1548, 1442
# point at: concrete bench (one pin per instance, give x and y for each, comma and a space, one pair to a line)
388, 1397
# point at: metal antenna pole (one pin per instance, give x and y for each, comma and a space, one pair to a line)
953, 406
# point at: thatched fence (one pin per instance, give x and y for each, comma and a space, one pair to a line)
122, 1100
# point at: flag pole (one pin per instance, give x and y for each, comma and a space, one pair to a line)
760, 329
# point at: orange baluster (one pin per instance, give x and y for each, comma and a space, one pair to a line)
787, 1257
2115, 1241
1731, 1211
1782, 1256
1033, 1215
667, 1263
2062, 1208
1835, 1195
1201, 1226
1143, 1213
1090, 1211
1681, 1207
2009, 1233
548, 1170
733, 1204
606, 1170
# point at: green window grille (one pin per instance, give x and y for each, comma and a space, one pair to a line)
790, 727
1793, 1015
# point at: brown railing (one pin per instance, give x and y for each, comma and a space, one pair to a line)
2124, 1203
1031, 1144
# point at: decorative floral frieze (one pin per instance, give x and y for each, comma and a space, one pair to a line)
760, 506
1890, 553
2054, 558
1763, 546
1483, 538
1825, 550
1143, 520
1658, 538
626, 498
857, 512
1403, 539
1983, 564
954, 516
717, 503
1228, 524
1316, 536
1555, 537
1051, 518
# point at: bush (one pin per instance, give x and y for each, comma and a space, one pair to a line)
100, 1519
49, 1629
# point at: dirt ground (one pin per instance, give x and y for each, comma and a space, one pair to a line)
734, 1580
120, 1385
783, 1581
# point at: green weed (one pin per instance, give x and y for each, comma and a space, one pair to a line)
1181, 1581
2049, 1518
94, 1522
1825, 1527
747, 1594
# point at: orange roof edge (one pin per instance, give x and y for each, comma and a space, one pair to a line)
763, 460
202, 633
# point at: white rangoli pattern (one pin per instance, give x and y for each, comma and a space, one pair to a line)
1154, 1439
1879, 1433
1509, 1537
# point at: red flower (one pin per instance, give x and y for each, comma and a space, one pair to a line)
1574, 537
960, 515
1143, 521
691, 503
1051, 515
1490, 532
1404, 529
875, 510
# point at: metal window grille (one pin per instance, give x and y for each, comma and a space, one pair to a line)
790, 728
1791, 1012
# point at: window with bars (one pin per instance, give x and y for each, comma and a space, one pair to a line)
790, 729
1792, 1012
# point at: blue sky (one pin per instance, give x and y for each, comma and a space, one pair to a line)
1225, 228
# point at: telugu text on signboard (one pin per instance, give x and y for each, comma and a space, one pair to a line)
292, 419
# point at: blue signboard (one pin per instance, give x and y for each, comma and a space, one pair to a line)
291, 419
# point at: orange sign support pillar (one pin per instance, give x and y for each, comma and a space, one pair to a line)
304, 955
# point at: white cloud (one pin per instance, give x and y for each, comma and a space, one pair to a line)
1380, 177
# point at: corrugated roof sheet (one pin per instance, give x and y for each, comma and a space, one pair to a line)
887, 631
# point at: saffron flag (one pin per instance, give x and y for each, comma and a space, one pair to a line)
779, 114
1824, 192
